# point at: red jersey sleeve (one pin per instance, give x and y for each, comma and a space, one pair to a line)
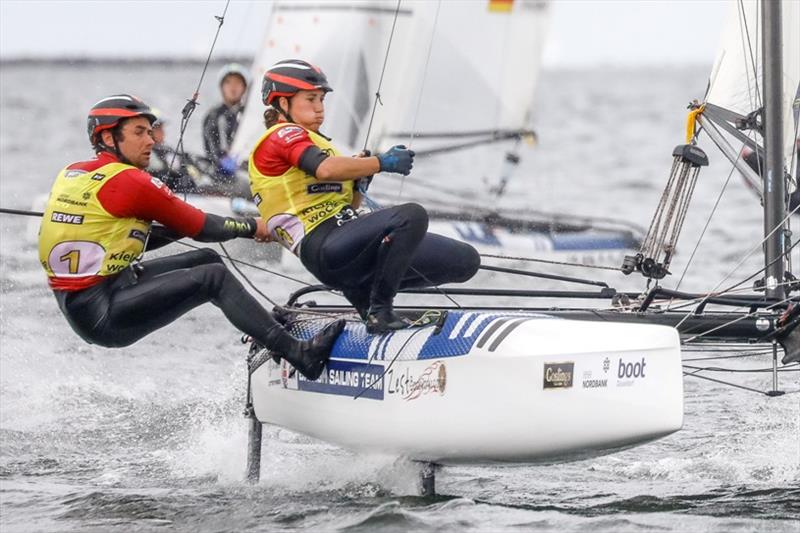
135, 193
281, 150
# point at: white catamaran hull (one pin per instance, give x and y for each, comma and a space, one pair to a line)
488, 387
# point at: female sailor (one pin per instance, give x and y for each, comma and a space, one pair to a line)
305, 191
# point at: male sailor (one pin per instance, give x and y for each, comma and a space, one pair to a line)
220, 125
305, 192
96, 225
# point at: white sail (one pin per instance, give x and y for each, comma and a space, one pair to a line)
344, 39
463, 66
736, 78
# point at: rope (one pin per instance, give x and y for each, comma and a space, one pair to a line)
691, 123
385, 370
705, 228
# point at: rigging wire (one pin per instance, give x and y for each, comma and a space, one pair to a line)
535, 260
741, 262
191, 104
730, 384
783, 368
421, 89
389, 366
734, 356
383, 71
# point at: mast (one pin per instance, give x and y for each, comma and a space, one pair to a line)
774, 184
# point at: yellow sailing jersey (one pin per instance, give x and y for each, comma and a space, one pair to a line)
78, 237
295, 203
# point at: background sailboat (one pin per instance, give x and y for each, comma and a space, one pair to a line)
459, 75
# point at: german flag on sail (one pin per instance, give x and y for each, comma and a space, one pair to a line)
501, 6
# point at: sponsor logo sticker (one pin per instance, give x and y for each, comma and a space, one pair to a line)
257, 199
558, 375
590, 381
630, 371
66, 218
98, 177
344, 378
290, 134
432, 381
320, 188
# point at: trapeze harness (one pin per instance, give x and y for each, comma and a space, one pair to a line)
368, 257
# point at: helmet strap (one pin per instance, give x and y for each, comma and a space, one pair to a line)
115, 149
277, 105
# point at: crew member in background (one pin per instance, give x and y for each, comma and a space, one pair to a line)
96, 225
755, 160
220, 124
176, 171
304, 190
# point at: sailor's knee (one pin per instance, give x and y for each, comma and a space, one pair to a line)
209, 277
207, 255
415, 216
469, 260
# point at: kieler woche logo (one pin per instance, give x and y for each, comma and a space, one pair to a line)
558, 375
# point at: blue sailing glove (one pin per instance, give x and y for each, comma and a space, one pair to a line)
228, 165
397, 159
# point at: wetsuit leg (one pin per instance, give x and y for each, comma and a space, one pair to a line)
129, 308
368, 257
154, 267
441, 260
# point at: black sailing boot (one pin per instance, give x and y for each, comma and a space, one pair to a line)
383, 319
308, 357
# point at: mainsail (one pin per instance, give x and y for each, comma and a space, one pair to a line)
346, 40
735, 84
460, 68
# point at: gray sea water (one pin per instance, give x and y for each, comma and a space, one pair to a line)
152, 437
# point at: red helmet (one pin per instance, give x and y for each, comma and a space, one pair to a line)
289, 76
108, 112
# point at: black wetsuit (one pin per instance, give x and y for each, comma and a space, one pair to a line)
219, 127
371, 257
143, 298
179, 180
147, 296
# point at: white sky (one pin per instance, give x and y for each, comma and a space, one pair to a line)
582, 32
